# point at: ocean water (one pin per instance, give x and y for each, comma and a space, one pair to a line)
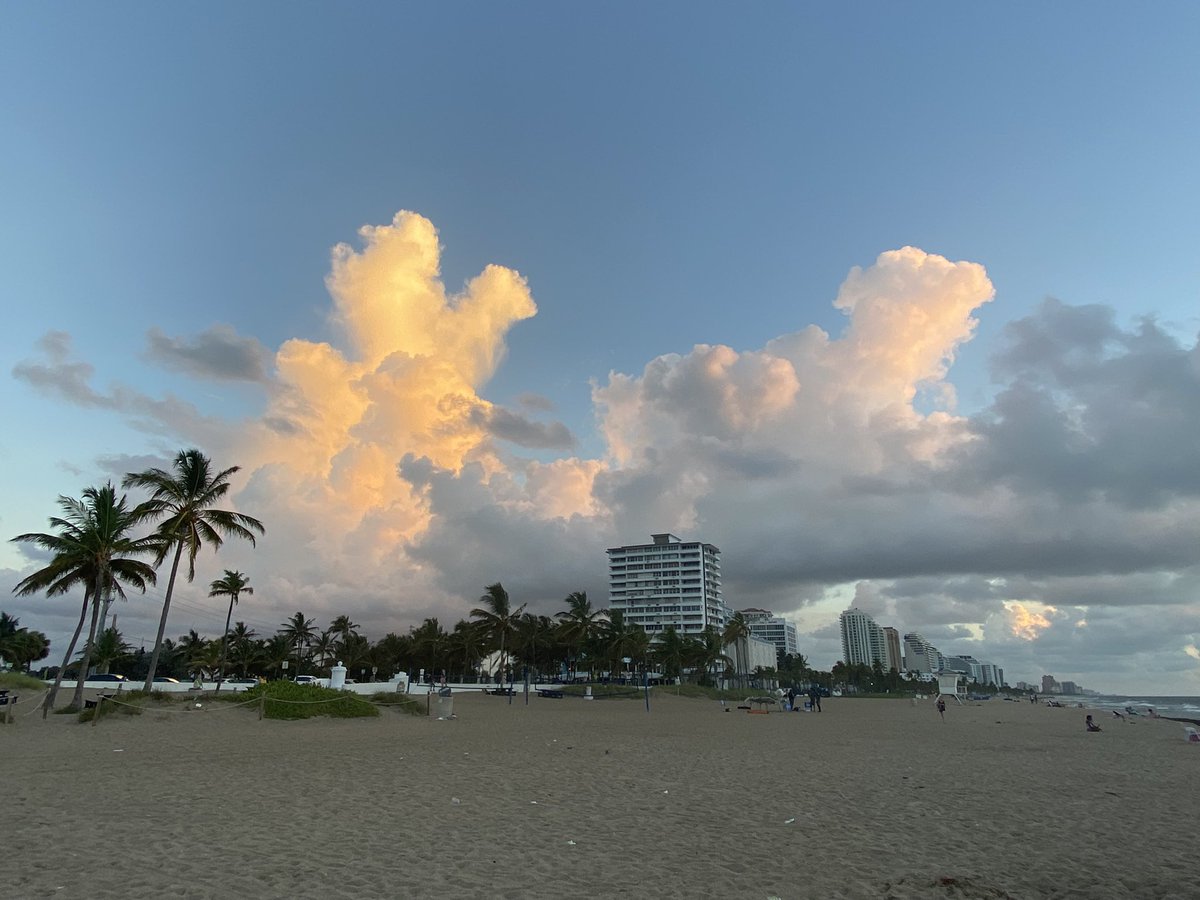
1177, 707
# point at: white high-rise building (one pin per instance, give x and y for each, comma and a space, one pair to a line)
863, 641
667, 582
767, 626
920, 655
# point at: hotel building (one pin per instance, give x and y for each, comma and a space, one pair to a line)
767, 626
667, 582
863, 641
920, 655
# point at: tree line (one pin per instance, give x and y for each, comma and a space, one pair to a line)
495, 641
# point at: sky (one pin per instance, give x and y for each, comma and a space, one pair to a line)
896, 306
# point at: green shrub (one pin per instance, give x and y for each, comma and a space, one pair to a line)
17, 681
288, 700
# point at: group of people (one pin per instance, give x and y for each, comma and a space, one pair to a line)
814, 698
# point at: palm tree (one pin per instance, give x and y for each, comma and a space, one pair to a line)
185, 499
637, 645
243, 649
300, 633
497, 620
343, 627
92, 549
672, 651
391, 651
428, 642
232, 585
274, 652
354, 652
108, 648
324, 646
709, 652
579, 624
737, 633
205, 659
534, 635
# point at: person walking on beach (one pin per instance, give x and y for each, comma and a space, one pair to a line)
941, 706
791, 695
814, 698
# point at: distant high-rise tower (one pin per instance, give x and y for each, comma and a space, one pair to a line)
667, 582
863, 641
895, 662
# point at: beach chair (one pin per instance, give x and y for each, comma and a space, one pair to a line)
552, 693
1193, 736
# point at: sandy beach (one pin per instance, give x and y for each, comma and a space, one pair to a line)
566, 798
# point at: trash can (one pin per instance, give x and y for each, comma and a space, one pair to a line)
443, 704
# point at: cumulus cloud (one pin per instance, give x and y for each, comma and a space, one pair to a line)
830, 468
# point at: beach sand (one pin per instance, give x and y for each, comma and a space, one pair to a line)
567, 798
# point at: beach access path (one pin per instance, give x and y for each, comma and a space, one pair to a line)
568, 798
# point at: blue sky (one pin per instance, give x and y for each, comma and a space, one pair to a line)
661, 177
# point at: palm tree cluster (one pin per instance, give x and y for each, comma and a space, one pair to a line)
92, 547
496, 641
19, 647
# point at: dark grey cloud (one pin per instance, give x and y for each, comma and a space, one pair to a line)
218, 353
473, 541
510, 426
536, 402
1091, 411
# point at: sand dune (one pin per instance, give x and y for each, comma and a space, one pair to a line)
563, 798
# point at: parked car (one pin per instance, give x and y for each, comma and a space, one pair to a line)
166, 679
108, 676
306, 679
241, 681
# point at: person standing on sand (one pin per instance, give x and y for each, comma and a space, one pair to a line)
791, 695
941, 706
814, 698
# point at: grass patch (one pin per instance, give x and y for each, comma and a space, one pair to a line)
396, 700
704, 692
605, 691
131, 704
18, 681
288, 700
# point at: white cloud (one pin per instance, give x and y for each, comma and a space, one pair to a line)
822, 465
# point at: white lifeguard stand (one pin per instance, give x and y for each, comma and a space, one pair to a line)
950, 684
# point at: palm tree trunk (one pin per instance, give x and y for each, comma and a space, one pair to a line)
225, 640
49, 704
86, 659
162, 623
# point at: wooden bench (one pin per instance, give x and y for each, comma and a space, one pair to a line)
551, 692
499, 692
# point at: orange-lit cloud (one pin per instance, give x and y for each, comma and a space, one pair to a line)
404, 380
1027, 623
